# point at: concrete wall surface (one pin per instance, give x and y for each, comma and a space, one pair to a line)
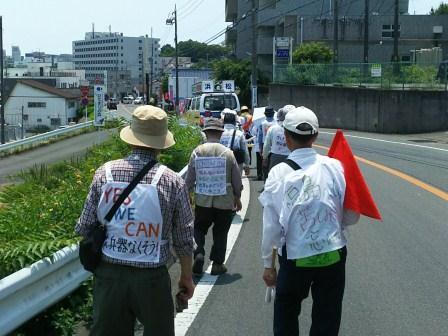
370, 110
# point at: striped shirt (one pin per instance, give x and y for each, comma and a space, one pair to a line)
174, 204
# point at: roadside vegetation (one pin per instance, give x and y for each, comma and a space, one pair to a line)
37, 218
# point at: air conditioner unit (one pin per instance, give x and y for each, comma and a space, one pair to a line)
437, 29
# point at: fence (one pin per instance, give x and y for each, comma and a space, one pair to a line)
401, 76
33, 140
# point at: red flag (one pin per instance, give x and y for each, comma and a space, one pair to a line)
357, 194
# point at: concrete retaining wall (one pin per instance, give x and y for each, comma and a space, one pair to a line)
370, 110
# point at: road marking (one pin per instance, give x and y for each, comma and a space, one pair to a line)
433, 190
388, 141
184, 320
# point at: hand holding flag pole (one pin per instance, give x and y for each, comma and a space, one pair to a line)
357, 195
270, 291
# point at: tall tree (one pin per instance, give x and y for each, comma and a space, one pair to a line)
167, 51
239, 71
441, 10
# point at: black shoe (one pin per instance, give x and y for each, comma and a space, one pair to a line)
218, 269
198, 264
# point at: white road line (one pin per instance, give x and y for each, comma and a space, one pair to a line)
184, 320
388, 141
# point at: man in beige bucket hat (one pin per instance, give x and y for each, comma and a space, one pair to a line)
214, 176
132, 280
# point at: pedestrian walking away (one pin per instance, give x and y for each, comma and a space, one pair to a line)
245, 113
234, 139
214, 176
274, 148
303, 217
132, 280
269, 112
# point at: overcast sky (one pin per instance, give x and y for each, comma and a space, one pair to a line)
51, 25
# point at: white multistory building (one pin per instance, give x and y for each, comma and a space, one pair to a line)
118, 61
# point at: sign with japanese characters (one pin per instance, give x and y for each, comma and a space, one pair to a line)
208, 86
98, 99
376, 70
228, 85
211, 176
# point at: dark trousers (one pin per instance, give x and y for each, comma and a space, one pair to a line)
327, 290
250, 155
259, 165
221, 220
123, 293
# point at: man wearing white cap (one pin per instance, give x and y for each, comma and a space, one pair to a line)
303, 217
132, 280
274, 148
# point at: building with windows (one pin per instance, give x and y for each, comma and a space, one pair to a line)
15, 54
117, 61
34, 104
306, 21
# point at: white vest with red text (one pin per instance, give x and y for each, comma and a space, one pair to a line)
135, 231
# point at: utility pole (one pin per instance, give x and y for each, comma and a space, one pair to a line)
366, 32
336, 32
23, 128
366, 38
152, 65
170, 21
254, 79
2, 90
396, 32
148, 97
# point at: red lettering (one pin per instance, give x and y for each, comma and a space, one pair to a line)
141, 228
127, 227
107, 193
155, 230
117, 193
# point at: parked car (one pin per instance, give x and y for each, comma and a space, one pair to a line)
128, 100
138, 100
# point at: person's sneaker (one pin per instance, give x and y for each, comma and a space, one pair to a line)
218, 269
198, 264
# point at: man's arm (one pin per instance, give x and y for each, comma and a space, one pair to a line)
183, 242
190, 178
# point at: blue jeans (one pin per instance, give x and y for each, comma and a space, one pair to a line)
327, 290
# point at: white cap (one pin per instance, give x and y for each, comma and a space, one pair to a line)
302, 121
227, 110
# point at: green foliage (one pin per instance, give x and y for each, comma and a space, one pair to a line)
196, 50
238, 70
419, 74
312, 52
167, 51
37, 218
441, 10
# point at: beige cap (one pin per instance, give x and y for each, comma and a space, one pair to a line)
149, 128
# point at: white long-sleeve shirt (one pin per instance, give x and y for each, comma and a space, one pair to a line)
304, 209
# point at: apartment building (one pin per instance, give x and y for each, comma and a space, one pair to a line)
306, 21
118, 61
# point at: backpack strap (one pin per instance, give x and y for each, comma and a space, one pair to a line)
292, 164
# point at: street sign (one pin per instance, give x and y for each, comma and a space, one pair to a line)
254, 97
375, 70
99, 92
208, 86
84, 90
282, 53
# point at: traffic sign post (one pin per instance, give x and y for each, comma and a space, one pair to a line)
99, 92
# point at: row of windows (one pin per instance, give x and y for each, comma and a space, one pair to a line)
98, 62
97, 48
97, 41
97, 55
99, 69
37, 104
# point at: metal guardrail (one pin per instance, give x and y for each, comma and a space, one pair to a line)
32, 289
44, 136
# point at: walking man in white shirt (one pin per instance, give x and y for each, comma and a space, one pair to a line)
274, 148
304, 219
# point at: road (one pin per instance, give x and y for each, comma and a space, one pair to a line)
397, 269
